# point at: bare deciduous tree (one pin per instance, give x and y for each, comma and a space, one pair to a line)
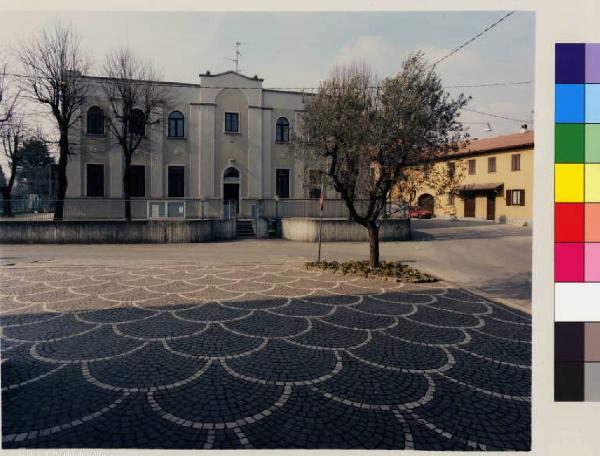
8, 98
54, 66
135, 100
11, 136
366, 134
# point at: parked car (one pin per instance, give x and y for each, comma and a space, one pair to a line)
420, 213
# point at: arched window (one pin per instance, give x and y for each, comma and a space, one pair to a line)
137, 123
95, 121
282, 130
231, 174
176, 125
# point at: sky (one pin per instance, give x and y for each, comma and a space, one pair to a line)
294, 50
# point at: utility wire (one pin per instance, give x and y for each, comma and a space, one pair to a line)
495, 115
459, 86
466, 43
490, 84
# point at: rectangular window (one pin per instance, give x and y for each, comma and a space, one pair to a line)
95, 180
451, 199
515, 197
472, 168
314, 183
491, 164
516, 162
282, 183
176, 182
137, 181
451, 169
232, 122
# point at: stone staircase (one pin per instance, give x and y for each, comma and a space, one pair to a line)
244, 229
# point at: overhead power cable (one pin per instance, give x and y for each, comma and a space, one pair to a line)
458, 86
466, 43
495, 115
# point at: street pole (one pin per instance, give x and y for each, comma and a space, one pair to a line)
320, 222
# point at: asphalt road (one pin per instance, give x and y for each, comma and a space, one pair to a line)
490, 259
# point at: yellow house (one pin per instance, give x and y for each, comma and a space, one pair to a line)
496, 181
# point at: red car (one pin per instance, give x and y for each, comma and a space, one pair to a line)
420, 213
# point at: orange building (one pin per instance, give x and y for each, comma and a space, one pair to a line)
496, 182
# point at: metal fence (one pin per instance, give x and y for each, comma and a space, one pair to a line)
182, 209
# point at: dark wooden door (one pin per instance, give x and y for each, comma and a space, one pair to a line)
231, 196
469, 205
282, 183
491, 206
426, 202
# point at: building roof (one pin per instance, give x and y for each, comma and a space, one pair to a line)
223, 73
497, 144
169, 83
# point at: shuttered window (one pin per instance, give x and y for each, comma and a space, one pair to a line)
472, 168
515, 162
515, 197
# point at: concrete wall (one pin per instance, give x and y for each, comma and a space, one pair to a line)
307, 229
100, 232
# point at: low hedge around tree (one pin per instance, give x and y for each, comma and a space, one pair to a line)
388, 270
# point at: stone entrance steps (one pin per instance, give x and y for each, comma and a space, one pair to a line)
244, 229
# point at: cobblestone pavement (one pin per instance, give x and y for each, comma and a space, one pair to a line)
256, 356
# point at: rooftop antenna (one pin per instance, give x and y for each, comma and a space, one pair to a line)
237, 55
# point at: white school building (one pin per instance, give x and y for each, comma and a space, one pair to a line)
220, 142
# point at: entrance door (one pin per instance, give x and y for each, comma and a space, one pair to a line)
426, 202
491, 206
231, 191
469, 205
231, 196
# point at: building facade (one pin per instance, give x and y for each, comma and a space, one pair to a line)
496, 181
223, 140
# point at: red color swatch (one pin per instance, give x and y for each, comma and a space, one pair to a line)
569, 222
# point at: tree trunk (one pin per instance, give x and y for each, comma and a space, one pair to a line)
126, 188
373, 245
62, 174
7, 202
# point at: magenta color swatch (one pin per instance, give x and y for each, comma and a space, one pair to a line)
592, 262
569, 262
592, 63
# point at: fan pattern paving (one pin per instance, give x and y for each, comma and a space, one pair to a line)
257, 356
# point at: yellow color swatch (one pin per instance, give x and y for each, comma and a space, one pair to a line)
592, 183
569, 187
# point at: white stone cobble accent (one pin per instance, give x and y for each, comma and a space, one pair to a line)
337, 368
285, 395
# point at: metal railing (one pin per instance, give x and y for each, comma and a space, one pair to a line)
182, 209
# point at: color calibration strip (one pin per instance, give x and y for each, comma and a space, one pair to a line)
577, 222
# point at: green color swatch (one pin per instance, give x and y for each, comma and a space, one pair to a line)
569, 143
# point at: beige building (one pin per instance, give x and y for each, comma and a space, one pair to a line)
223, 140
495, 182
